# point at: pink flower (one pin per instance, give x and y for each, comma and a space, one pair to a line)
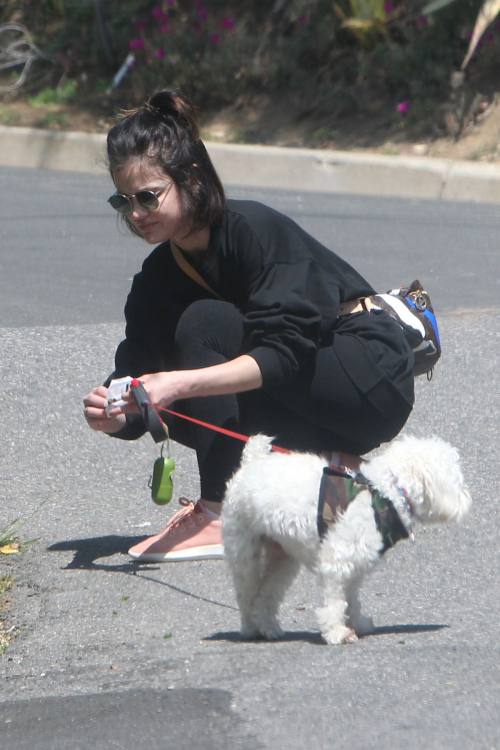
202, 14
302, 19
157, 12
227, 23
388, 6
164, 28
214, 38
160, 52
137, 43
403, 106
140, 24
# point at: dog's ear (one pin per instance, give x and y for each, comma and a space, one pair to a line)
446, 498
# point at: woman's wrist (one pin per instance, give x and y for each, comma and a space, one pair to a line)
235, 376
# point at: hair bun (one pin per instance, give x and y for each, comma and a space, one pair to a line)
168, 103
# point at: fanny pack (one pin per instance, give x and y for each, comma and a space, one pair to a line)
410, 306
412, 309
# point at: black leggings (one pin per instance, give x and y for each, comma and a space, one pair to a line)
324, 411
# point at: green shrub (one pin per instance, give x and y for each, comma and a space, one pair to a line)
329, 56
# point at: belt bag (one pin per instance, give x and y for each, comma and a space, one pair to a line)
411, 308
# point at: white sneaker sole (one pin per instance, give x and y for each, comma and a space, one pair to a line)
209, 552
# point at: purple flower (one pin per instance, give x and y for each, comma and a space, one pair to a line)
160, 52
214, 38
227, 23
140, 24
157, 12
197, 28
202, 14
136, 43
469, 34
388, 6
302, 19
403, 106
422, 20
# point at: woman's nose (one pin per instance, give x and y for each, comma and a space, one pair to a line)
138, 211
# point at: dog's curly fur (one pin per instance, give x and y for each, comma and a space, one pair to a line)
270, 527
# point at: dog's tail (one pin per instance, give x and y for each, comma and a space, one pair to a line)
258, 446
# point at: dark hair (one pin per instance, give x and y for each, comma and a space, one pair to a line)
166, 131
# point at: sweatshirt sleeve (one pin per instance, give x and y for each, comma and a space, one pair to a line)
282, 323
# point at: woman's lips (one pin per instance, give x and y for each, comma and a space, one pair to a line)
145, 228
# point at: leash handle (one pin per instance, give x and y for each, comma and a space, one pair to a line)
152, 419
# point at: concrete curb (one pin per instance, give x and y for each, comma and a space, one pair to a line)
269, 166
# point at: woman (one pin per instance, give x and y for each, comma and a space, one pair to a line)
269, 333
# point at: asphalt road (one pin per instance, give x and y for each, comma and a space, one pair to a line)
112, 655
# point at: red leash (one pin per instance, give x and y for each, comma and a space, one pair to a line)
345, 459
140, 395
213, 427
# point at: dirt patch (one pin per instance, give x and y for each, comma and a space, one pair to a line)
274, 121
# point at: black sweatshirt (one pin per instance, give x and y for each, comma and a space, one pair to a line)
288, 287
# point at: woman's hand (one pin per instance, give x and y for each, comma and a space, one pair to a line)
240, 374
161, 387
95, 412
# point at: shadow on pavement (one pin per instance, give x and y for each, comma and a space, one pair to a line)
183, 719
315, 638
87, 551
290, 637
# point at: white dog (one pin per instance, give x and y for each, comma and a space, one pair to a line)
270, 526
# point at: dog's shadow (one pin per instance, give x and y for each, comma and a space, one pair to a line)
307, 636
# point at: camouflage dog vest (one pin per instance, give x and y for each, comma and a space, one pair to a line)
338, 488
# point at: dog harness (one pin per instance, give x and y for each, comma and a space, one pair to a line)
338, 488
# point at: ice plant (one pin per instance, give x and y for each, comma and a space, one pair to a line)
136, 43
214, 38
227, 23
158, 13
403, 106
388, 6
160, 52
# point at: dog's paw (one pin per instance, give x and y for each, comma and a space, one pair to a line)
363, 625
270, 630
339, 635
248, 630
250, 634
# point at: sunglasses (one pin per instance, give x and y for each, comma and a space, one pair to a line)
146, 198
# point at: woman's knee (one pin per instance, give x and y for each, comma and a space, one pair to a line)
209, 326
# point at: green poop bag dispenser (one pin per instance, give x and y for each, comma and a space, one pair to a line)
161, 482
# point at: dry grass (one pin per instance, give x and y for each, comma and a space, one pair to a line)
5, 634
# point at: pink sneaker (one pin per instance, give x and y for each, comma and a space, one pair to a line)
190, 534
